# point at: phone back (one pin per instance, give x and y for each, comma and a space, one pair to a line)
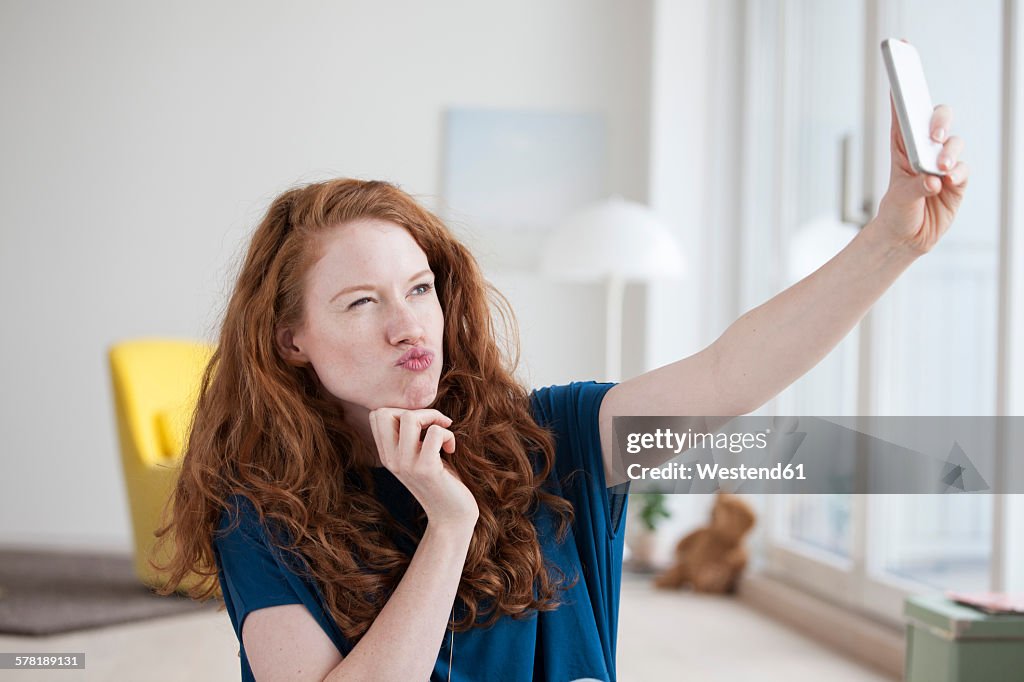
913, 104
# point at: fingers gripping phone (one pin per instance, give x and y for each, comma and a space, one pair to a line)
913, 105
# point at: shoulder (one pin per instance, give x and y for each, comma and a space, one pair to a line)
571, 404
239, 517
573, 413
570, 412
241, 532
254, 569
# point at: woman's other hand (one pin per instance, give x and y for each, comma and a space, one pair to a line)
918, 208
418, 464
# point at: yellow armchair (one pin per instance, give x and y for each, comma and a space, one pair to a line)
156, 387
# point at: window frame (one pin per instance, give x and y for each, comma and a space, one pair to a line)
855, 583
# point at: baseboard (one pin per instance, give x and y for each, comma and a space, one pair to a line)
879, 646
69, 543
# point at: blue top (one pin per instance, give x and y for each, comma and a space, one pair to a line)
574, 642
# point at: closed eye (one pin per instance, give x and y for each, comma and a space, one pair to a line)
357, 303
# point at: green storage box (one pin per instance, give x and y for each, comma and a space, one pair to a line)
948, 642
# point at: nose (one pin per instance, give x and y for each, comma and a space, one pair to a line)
404, 325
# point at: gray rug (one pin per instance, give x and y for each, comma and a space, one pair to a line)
50, 592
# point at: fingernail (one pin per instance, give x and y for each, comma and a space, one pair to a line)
940, 135
946, 162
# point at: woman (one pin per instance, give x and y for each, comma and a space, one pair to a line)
378, 497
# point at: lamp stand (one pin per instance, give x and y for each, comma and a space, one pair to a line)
615, 287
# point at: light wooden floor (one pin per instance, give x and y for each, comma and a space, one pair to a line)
706, 638
662, 636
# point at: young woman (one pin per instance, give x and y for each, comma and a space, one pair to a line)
376, 495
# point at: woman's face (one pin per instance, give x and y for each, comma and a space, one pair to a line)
369, 302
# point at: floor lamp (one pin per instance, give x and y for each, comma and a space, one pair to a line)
614, 241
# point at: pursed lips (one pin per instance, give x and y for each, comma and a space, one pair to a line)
421, 355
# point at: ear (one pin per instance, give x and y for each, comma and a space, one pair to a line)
290, 351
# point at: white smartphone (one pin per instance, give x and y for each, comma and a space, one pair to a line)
913, 104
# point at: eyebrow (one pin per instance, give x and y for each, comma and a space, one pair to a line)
368, 287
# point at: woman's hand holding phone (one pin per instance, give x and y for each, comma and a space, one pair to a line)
918, 206
419, 466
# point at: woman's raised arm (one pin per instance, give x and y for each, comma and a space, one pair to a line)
773, 345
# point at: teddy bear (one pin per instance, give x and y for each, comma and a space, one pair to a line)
711, 559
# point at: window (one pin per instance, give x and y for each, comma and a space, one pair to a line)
813, 76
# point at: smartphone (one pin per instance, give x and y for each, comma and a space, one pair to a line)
913, 104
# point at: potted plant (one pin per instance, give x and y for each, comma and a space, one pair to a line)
647, 511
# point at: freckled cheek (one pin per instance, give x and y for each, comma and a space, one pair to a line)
345, 354
352, 376
352, 361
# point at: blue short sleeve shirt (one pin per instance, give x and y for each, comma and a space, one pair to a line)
574, 642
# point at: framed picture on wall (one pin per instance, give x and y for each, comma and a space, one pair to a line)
509, 176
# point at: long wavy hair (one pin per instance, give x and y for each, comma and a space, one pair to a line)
267, 430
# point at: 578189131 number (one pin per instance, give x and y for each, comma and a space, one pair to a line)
41, 660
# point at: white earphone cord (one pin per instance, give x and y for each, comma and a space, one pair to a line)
451, 648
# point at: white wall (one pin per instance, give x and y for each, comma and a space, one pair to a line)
141, 141
697, 48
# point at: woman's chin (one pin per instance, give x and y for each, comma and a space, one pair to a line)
418, 395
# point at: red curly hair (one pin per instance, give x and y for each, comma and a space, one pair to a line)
268, 431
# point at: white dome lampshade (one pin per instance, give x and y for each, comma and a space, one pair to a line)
612, 241
613, 237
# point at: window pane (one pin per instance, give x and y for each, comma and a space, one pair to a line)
821, 522
825, 100
936, 348
943, 541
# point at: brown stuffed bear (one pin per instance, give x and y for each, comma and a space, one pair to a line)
712, 559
